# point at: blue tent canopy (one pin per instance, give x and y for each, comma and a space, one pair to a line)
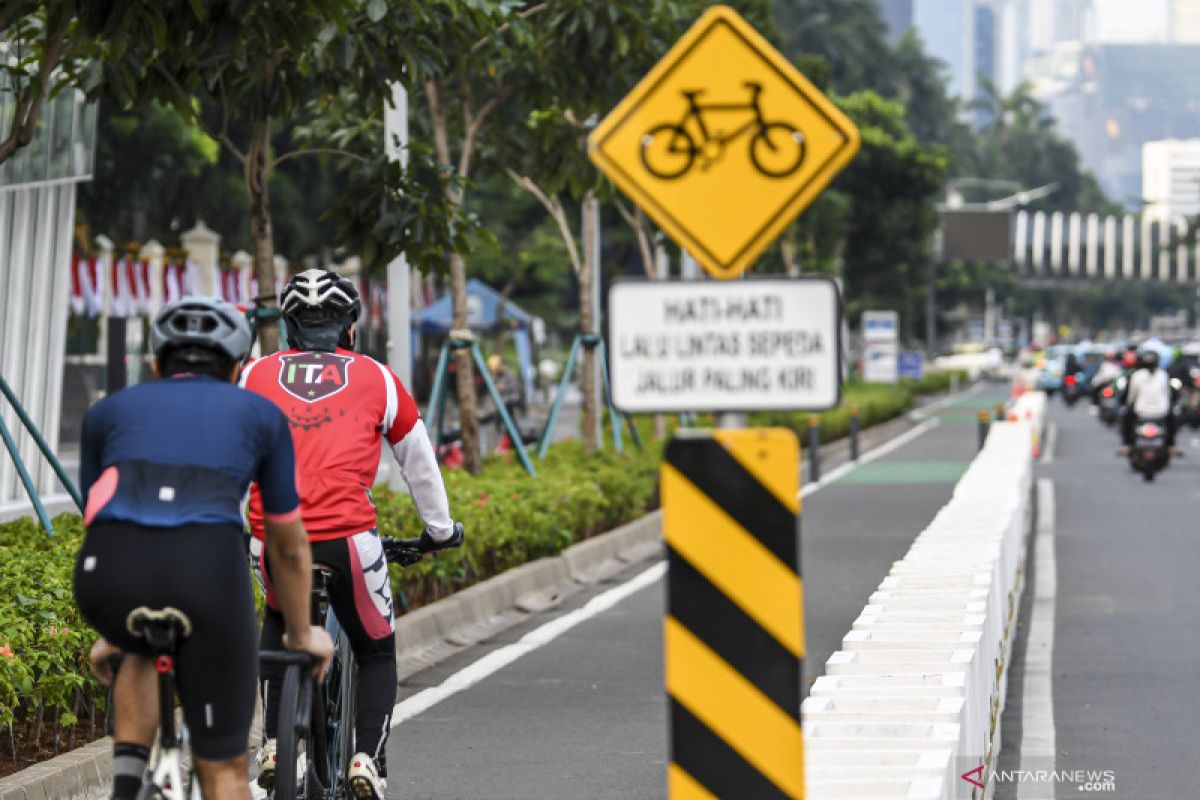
483, 305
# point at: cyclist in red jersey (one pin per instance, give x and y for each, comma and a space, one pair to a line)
339, 405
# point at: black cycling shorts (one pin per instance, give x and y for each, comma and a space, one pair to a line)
201, 570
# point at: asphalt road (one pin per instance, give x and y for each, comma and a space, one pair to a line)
585, 715
1127, 617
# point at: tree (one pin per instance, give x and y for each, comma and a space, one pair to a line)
237, 67
146, 161
1020, 143
46, 46
893, 185
849, 35
586, 56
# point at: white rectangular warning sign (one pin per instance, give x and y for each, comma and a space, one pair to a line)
751, 345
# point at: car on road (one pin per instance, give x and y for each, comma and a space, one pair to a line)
1050, 374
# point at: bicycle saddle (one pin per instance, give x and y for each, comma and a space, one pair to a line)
160, 627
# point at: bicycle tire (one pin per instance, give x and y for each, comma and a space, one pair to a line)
348, 685
677, 132
287, 742
763, 137
317, 777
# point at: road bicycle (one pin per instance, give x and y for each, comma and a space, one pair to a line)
669, 150
163, 629
315, 736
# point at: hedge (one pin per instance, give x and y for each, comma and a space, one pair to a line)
45, 682
46, 687
875, 403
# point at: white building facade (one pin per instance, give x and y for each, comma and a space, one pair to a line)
1171, 178
37, 221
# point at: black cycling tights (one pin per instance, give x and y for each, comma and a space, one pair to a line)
200, 570
376, 660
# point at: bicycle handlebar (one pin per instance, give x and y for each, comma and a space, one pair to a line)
407, 552
286, 658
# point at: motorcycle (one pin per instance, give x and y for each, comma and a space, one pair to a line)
1150, 454
1074, 386
1187, 401
1110, 404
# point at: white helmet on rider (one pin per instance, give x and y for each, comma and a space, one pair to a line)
319, 306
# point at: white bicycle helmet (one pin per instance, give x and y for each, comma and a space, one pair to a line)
319, 306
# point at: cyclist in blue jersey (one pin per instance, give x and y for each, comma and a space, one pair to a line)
165, 466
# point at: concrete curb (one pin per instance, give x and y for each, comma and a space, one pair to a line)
479, 612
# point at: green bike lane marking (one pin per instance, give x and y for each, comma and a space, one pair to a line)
904, 473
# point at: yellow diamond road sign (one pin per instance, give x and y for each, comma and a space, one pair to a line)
723, 143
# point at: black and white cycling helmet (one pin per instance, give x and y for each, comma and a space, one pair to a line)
195, 326
319, 306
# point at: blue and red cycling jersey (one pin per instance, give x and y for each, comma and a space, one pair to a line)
183, 451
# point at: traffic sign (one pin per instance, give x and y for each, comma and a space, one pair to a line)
752, 345
723, 143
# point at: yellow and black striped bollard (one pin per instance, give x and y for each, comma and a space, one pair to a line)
734, 631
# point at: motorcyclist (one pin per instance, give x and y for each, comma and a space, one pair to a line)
1108, 371
1178, 369
1071, 366
1148, 397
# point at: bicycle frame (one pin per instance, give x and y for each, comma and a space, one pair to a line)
696, 110
333, 703
167, 777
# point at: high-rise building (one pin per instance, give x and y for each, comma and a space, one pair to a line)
1183, 24
1171, 178
1112, 99
949, 29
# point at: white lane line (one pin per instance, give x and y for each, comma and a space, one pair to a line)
1051, 443
869, 456
1037, 699
538, 637
501, 657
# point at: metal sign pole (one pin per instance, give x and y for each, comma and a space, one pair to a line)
399, 326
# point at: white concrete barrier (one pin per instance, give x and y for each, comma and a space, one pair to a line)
923, 668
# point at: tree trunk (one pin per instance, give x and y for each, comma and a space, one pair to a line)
787, 250
258, 173
468, 420
588, 325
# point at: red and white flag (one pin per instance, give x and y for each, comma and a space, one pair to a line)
172, 282
78, 269
93, 287
122, 300
139, 281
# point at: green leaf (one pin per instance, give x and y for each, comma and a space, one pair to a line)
376, 10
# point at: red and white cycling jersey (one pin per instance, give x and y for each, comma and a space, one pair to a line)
338, 405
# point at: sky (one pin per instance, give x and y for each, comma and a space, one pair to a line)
1131, 20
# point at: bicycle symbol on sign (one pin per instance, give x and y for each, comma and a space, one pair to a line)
669, 150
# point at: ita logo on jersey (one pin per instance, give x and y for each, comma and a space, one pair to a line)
313, 376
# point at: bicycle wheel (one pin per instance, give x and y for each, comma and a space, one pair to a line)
288, 741
777, 150
317, 777
347, 683
667, 151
